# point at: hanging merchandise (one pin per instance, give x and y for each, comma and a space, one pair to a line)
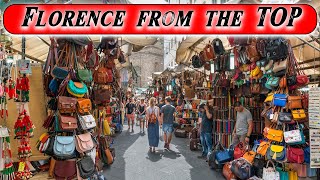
23, 88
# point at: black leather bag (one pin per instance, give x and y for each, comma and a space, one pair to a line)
277, 49
285, 117
218, 46
258, 165
280, 73
49, 150
291, 80
196, 62
86, 167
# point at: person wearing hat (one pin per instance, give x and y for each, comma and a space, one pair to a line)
244, 124
206, 114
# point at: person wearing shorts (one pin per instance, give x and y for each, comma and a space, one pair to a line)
167, 119
130, 109
142, 115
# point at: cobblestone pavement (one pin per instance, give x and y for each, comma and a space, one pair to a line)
134, 162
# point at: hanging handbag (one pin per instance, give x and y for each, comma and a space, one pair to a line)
209, 52
86, 167
293, 136
227, 173
67, 104
77, 89
61, 69
295, 155
254, 72
302, 80
285, 117
277, 49
255, 88
103, 75
298, 114
280, 66
242, 168
102, 96
270, 173
87, 122
306, 151
196, 62
64, 147
218, 46
283, 82
84, 142
49, 150
67, 123
65, 169
249, 156
276, 152
294, 102
269, 97
263, 148
84, 106
284, 175
272, 82
280, 73
280, 100
275, 135
252, 51
239, 150
291, 80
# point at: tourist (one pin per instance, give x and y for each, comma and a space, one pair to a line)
206, 114
153, 124
167, 119
141, 114
130, 109
243, 127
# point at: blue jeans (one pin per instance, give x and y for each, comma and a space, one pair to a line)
206, 142
167, 128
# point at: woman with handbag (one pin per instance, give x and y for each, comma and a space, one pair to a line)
153, 124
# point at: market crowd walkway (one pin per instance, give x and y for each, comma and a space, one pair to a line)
133, 162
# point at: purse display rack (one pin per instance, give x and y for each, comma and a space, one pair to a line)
81, 85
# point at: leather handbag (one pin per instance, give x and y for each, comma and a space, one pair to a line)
60, 72
84, 106
298, 114
263, 148
103, 75
252, 51
254, 72
249, 156
102, 96
277, 49
109, 156
270, 173
275, 135
283, 82
280, 66
285, 117
77, 89
301, 169
67, 104
51, 168
65, 169
293, 136
84, 142
86, 167
269, 98
209, 52
295, 155
64, 147
227, 173
284, 175
280, 100
291, 80
242, 168
255, 88
302, 80
239, 150
294, 102
196, 62
273, 82
223, 155
276, 152
87, 122
49, 150
306, 151
84, 75
67, 123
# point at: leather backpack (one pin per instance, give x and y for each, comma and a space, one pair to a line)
209, 52
196, 62
277, 49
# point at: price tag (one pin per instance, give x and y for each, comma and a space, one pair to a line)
271, 116
22, 165
217, 43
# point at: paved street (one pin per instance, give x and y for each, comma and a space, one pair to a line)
133, 162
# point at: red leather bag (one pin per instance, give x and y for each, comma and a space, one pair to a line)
295, 155
239, 150
65, 169
227, 173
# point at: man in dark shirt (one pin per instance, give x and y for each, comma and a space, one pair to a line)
167, 118
206, 130
130, 109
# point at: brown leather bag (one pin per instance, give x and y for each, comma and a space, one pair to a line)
252, 51
109, 156
51, 168
68, 122
84, 106
65, 169
294, 102
283, 82
189, 92
227, 173
67, 104
103, 75
209, 52
102, 96
255, 88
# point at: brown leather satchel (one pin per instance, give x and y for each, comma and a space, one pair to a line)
252, 52
255, 88
52, 167
109, 156
189, 92
67, 104
102, 96
227, 173
283, 82
294, 102
68, 122
103, 75
65, 169
209, 52
84, 106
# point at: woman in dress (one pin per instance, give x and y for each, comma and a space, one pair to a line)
153, 124
141, 115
